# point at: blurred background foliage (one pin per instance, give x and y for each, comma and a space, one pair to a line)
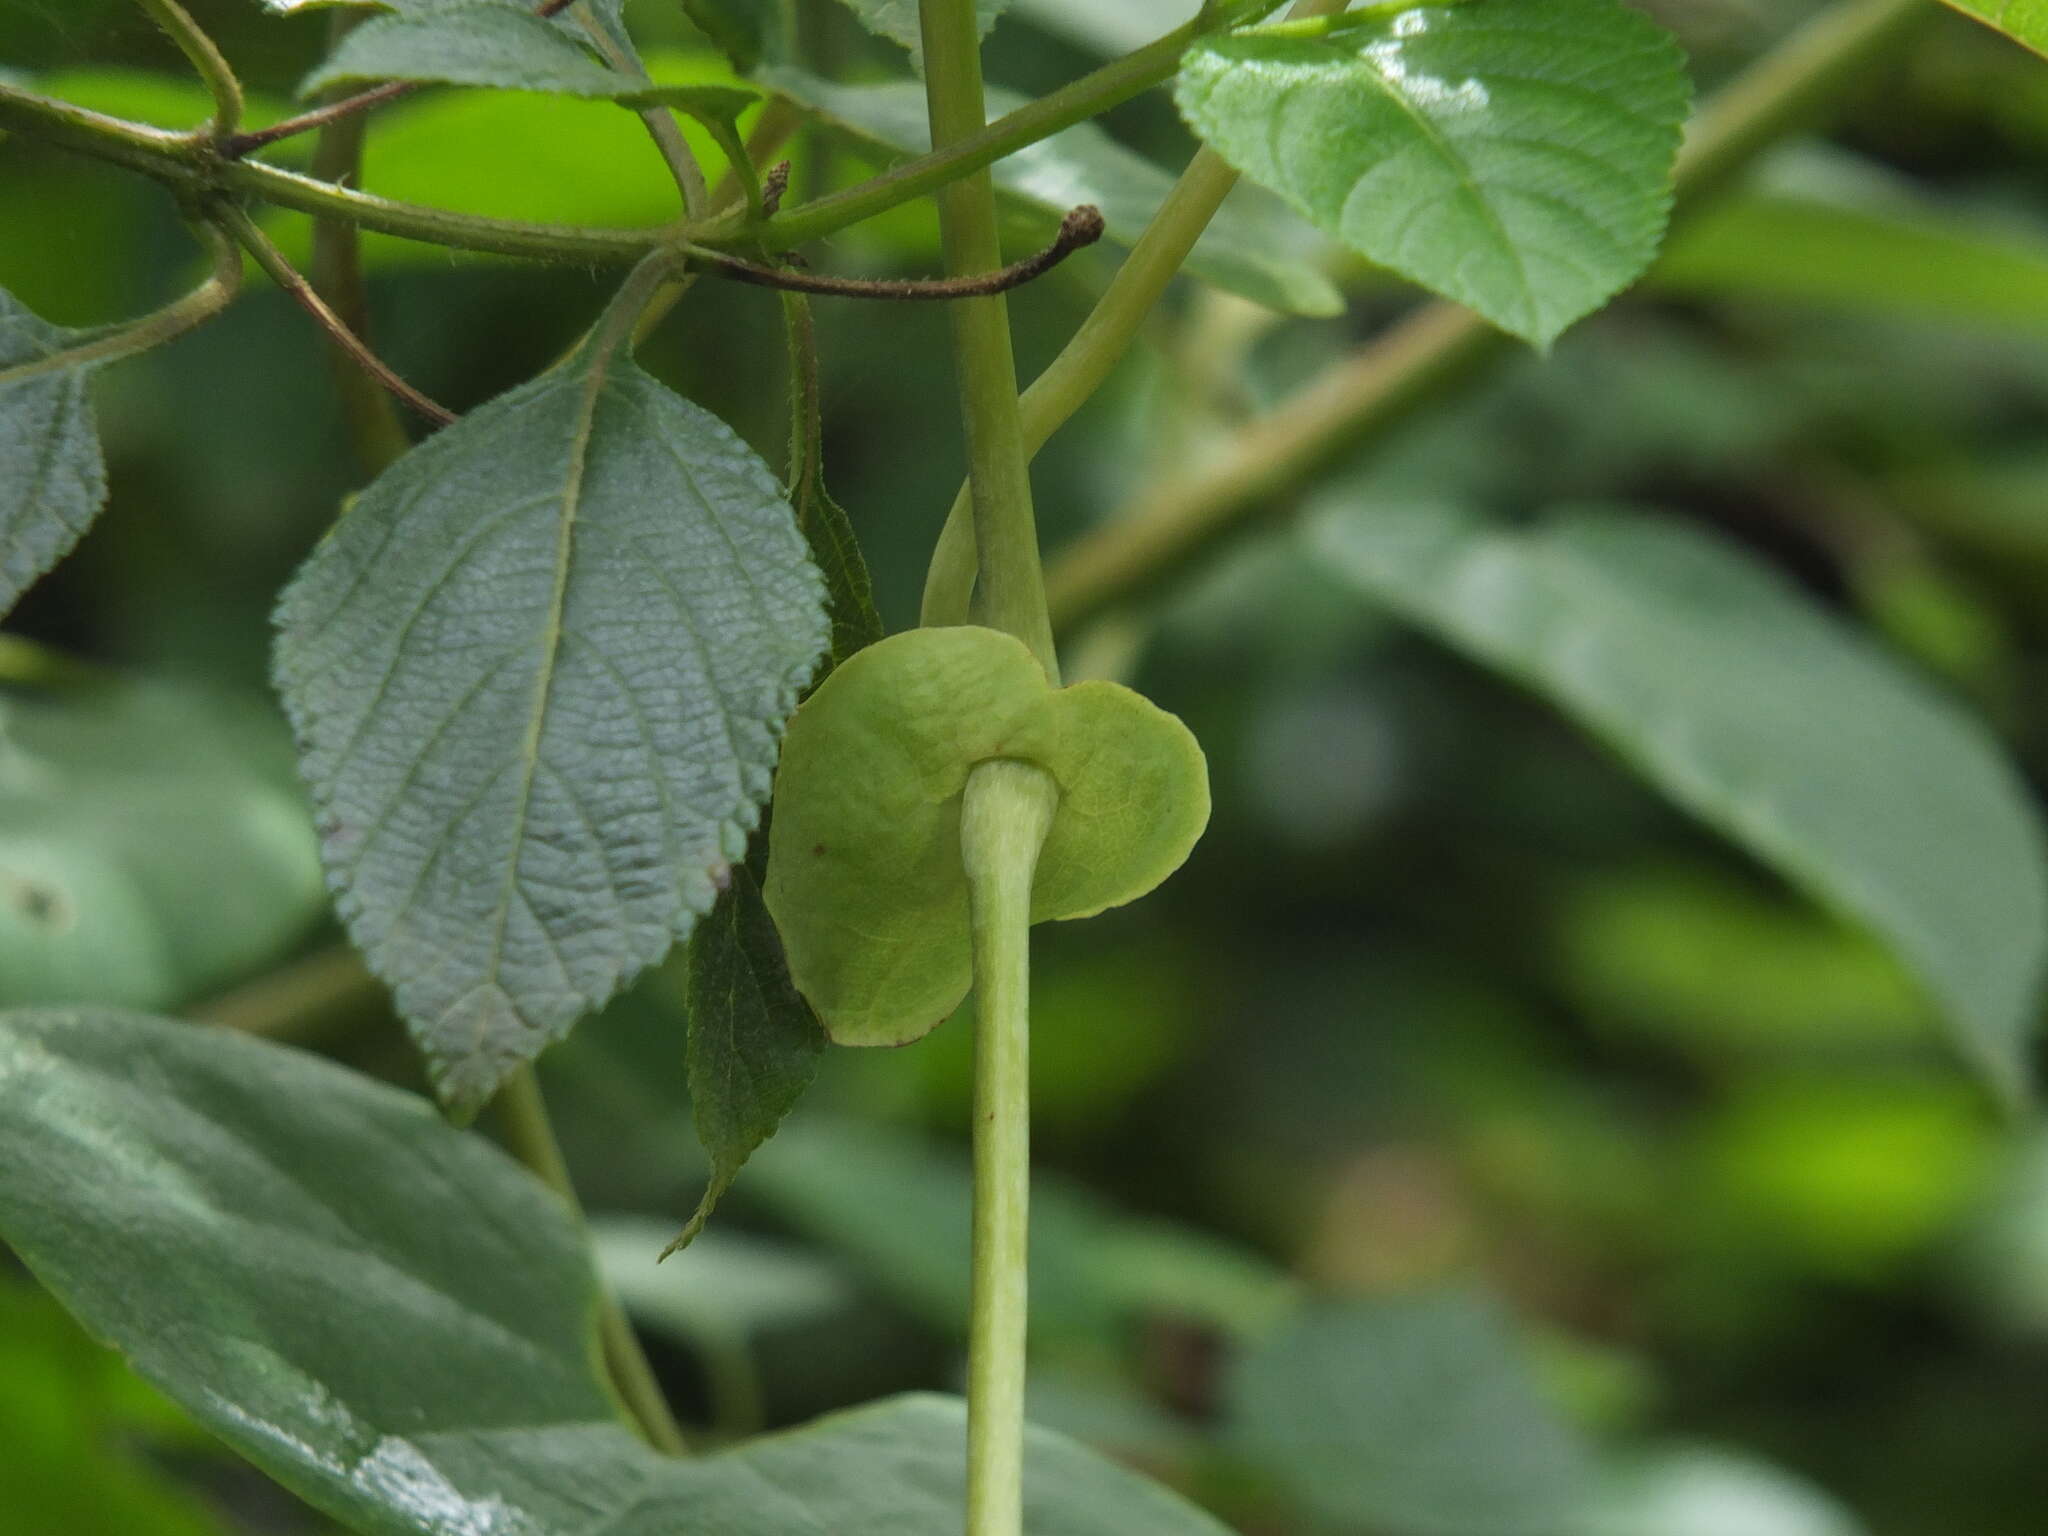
1462, 1130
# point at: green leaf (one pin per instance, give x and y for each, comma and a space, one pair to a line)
2024, 21
538, 673
53, 479
1260, 255
1108, 29
153, 844
398, 1323
1411, 1415
897, 20
740, 29
864, 873
856, 622
1691, 1490
754, 1041
1728, 692
1514, 157
481, 43
1830, 230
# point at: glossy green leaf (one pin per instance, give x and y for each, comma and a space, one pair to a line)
1733, 696
1701, 1490
864, 873
1837, 232
897, 20
398, 1323
476, 44
53, 479
2024, 21
153, 844
1516, 158
1264, 256
538, 673
754, 1041
1412, 1415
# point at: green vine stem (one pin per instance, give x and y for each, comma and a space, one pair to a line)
154, 329
1094, 349
205, 57
530, 1137
175, 159
1366, 396
1012, 584
1006, 811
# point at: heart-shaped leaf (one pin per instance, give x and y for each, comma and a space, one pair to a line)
398, 1323
864, 874
53, 479
1514, 157
538, 673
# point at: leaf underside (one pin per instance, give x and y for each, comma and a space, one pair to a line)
1516, 158
397, 1322
539, 672
1736, 699
53, 479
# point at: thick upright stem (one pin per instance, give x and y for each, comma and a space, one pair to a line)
1006, 534
1005, 814
530, 1136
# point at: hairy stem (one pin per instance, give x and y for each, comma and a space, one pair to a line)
1369, 394
281, 272
530, 1136
1005, 813
158, 327
1006, 534
661, 124
205, 57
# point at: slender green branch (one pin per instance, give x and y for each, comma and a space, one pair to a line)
158, 327
336, 272
1006, 534
208, 60
523, 1116
280, 271
1093, 351
1369, 394
1005, 813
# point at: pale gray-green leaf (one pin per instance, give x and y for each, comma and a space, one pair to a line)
1704, 1490
153, 844
897, 20
398, 1323
1514, 157
1409, 1415
53, 479
1745, 705
1263, 254
539, 673
481, 43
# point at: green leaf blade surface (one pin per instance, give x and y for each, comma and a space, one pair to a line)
1737, 700
754, 1042
2024, 21
539, 674
53, 477
483, 43
1516, 158
1409, 1414
398, 1323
